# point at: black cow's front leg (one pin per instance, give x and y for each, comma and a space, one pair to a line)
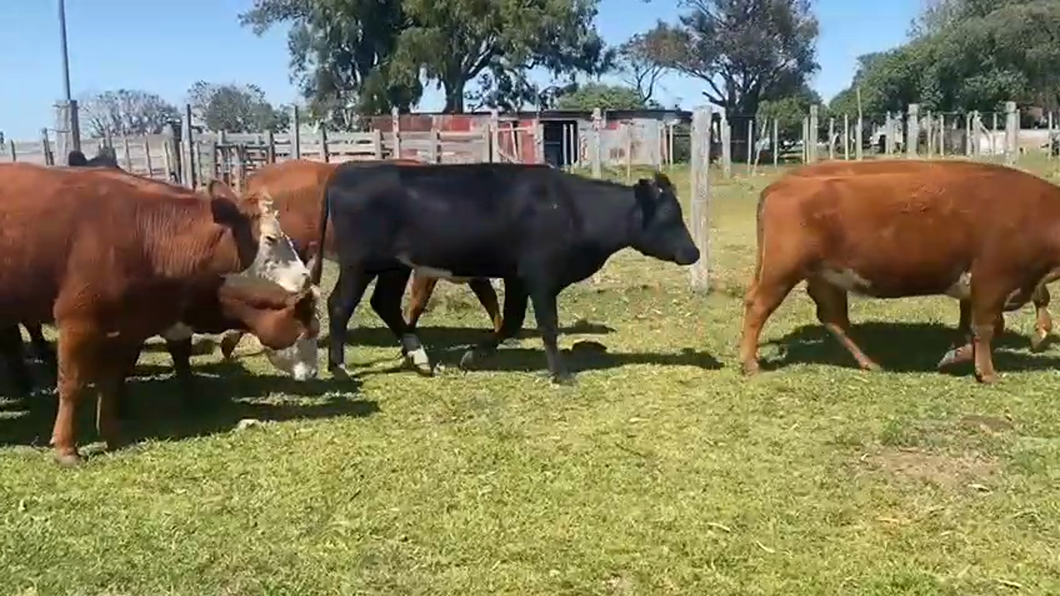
344, 298
515, 299
180, 351
386, 302
544, 299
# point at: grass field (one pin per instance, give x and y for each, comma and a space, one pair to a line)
663, 471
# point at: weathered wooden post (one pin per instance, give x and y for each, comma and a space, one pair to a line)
395, 133
539, 141
324, 155
1049, 137
296, 133
495, 136
187, 153
814, 126
46, 148
846, 137
750, 144
831, 138
776, 142
912, 132
700, 192
726, 145
595, 153
1012, 132
806, 139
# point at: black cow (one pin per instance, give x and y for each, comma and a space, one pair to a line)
538, 228
105, 158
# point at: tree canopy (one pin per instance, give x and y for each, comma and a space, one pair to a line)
745, 51
235, 108
603, 96
125, 112
367, 56
967, 55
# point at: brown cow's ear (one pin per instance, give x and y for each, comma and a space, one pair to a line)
225, 212
216, 189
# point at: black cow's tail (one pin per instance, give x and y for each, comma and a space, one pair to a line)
318, 261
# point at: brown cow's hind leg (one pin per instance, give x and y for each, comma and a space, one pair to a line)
833, 312
1043, 324
761, 299
420, 295
487, 296
987, 304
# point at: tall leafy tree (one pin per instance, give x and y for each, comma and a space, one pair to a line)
125, 112
603, 96
637, 68
235, 108
743, 50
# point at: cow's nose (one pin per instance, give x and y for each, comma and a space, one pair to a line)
688, 255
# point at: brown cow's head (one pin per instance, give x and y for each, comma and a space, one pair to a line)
256, 225
285, 322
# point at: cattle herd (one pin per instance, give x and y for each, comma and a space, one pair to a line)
112, 259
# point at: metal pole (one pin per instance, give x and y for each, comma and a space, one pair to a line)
66, 59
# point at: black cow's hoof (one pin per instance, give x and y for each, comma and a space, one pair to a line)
564, 379
339, 371
469, 358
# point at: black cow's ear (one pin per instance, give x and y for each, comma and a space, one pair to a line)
663, 181
76, 159
647, 196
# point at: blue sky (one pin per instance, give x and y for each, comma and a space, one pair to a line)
164, 47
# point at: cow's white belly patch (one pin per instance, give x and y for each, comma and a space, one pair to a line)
422, 271
962, 288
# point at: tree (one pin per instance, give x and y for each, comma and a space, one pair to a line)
789, 113
637, 67
371, 54
234, 108
125, 112
341, 52
744, 50
603, 96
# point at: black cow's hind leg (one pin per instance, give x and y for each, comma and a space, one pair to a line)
344, 298
386, 302
180, 351
43, 350
15, 359
515, 300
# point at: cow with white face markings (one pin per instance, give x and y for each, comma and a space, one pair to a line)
113, 259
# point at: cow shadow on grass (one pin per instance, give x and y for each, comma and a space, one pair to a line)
582, 356
901, 347
444, 336
228, 395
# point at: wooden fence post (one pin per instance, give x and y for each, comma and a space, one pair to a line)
432, 151
495, 136
595, 153
968, 134
700, 191
149, 164
846, 137
539, 141
726, 145
1012, 131
126, 153
187, 154
270, 147
750, 145
46, 147
628, 127
806, 139
324, 155
831, 138
377, 143
776, 142
395, 131
296, 134
813, 128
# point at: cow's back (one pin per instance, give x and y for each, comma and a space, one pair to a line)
297, 189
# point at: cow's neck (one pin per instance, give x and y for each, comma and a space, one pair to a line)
193, 244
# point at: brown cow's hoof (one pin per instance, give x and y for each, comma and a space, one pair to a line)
68, 460
750, 368
422, 368
1039, 341
870, 366
987, 379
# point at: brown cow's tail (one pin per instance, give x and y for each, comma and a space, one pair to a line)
760, 231
318, 261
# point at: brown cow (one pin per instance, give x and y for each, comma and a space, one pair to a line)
297, 187
1040, 298
112, 261
911, 233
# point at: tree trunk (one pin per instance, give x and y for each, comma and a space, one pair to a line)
454, 96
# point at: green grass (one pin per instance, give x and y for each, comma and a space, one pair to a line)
663, 471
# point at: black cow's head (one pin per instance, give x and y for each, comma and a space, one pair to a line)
106, 158
663, 233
